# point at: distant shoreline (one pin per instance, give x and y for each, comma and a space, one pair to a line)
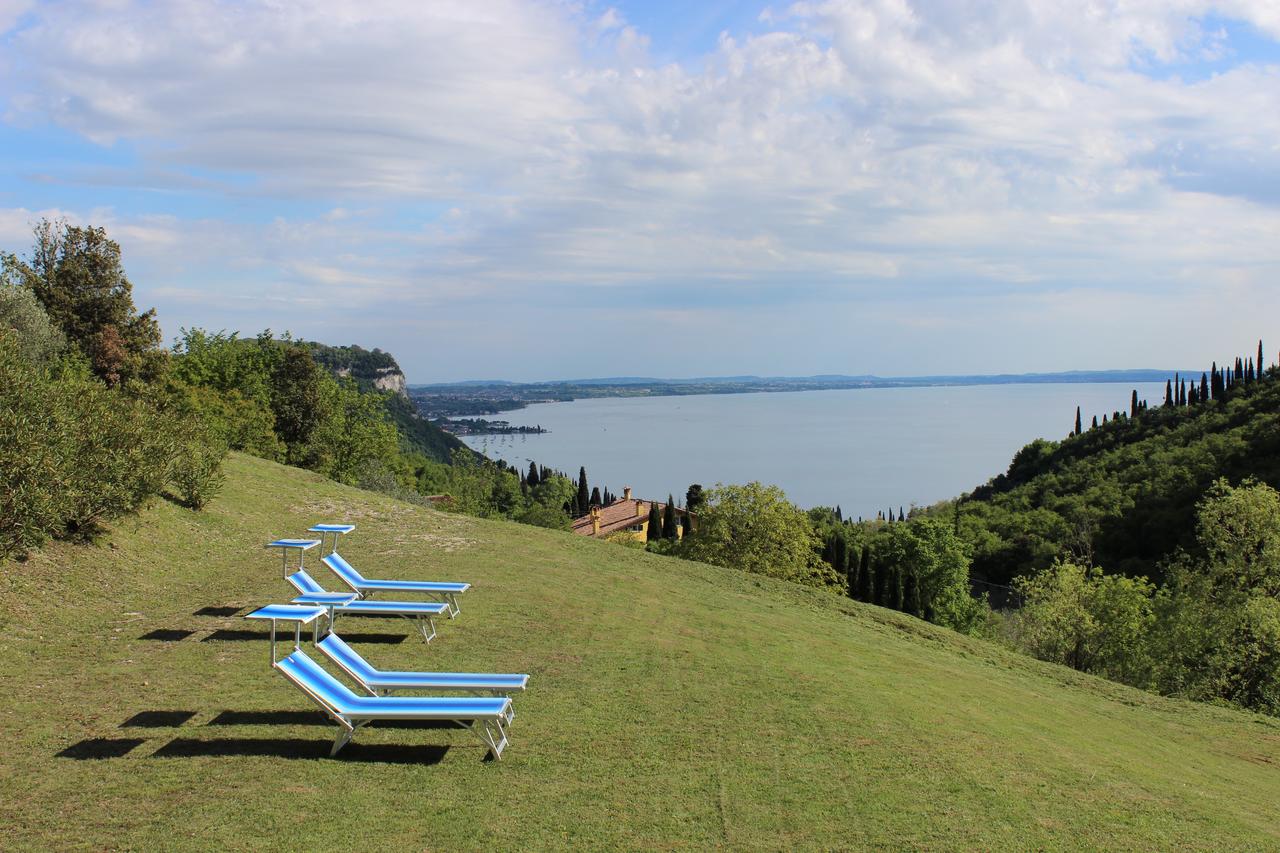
446, 401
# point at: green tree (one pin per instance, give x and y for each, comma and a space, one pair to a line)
297, 401
584, 496
38, 341
77, 275
1088, 621
754, 528
654, 530
694, 497
669, 530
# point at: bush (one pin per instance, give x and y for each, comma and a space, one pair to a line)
74, 453
196, 474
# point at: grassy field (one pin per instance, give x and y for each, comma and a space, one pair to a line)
671, 705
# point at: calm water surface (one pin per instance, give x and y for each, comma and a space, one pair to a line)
865, 449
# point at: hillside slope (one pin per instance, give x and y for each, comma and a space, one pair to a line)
671, 704
1125, 492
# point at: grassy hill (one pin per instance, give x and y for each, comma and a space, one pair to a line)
671, 705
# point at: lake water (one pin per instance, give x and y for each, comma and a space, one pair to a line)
864, 449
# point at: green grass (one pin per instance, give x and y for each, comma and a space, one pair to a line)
671, 705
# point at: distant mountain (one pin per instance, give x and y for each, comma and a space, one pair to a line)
838, 379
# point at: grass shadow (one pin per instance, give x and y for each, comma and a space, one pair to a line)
300, 748
269, 718
97, 748
218, 611
316, 718
168, 635
157, 719
241, 635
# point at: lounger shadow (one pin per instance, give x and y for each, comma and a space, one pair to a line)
299, 748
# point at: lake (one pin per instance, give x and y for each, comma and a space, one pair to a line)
864, 449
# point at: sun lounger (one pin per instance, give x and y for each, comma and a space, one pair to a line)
350, 712
339, 603
380, 683
364, 587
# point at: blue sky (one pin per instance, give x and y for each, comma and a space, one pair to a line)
534, 189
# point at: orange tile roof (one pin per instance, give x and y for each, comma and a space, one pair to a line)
618, 515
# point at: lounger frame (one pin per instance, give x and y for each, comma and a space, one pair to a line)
366, 587
490, 730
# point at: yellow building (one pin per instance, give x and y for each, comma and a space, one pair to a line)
628, 515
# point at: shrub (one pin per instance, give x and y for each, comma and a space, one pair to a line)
74, 453
196, 474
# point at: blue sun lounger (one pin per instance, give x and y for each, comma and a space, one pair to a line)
380, 683
350, 712
338, 603
365, 587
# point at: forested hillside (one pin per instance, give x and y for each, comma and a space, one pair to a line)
1122, 494
377, 371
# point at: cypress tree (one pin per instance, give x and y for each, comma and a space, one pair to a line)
1168, 392
1133, 404
1095, 422
584, 496
910, 594
1261, 363
864, 574
1249, 372
694, 498
654, 532
893, 595
839, 515
594, 500
852, 579
669, 520
1204, 387
532, 479
1078, 424
1104, 417
1182, 393
901, 515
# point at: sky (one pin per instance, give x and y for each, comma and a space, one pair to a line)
540, 189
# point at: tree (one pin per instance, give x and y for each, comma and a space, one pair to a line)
929, 550
1088, 621
1133, 404
754, 528
77, 275
864, 575
595, 498
669, 530
296, 400
38, 341
654, 531
694, 498
1261, 363
533, 478
1168, 392
1079, 425
584, 498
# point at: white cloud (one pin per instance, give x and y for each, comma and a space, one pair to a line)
877, 149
